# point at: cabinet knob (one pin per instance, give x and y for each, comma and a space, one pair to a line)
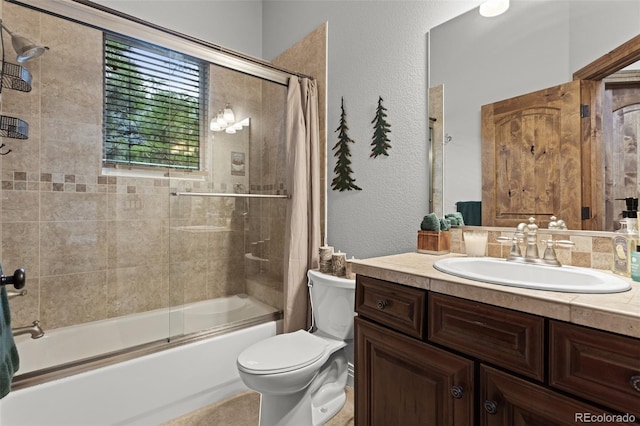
490, 407
456, 391
635, 382
382, 303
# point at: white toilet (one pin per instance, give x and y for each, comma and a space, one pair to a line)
302, 375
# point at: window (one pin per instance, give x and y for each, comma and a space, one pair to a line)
153, 105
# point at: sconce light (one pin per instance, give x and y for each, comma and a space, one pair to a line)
228, 114
25, 48
225, 120
491, 8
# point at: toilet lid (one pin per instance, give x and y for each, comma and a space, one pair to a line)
282, 353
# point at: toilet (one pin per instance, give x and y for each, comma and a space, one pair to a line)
301, 375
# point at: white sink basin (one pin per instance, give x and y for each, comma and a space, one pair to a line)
538, 277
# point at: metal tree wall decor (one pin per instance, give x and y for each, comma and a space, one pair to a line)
381, 129
343, 180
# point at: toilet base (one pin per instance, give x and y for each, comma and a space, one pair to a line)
312, 406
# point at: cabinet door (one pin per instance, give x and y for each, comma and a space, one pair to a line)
403, 381
506, 400
599, 366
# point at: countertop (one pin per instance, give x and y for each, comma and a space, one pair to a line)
615, 312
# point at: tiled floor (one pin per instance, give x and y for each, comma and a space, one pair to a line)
243, 409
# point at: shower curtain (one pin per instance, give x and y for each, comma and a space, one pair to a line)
302, 235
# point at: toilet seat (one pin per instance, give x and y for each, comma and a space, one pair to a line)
282, 353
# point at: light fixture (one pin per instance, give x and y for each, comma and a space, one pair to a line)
25, 48
491, 8
228, 114
220, 120
225, 120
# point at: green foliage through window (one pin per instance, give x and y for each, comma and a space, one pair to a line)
153, 105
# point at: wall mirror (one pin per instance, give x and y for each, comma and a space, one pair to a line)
533, 46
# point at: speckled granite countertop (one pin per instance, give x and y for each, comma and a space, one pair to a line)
616, 312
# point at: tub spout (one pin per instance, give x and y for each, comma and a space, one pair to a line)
35, 330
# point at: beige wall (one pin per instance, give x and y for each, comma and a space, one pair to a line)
96, 246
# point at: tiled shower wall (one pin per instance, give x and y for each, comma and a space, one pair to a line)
96, 246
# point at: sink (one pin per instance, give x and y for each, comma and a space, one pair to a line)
571, 279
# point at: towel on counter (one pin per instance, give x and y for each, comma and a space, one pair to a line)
9, 361
471, 212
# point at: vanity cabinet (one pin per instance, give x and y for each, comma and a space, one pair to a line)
425, 358
404, 381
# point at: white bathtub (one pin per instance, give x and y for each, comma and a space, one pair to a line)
62, 345
147, 390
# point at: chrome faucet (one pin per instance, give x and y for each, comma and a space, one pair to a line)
34, 329
530, 232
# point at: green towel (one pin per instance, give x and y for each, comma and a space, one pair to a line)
471, 212
430, 223
9, 361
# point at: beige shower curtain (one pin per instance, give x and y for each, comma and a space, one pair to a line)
302, 236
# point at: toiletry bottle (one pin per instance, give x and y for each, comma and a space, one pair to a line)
635, 264
624, 242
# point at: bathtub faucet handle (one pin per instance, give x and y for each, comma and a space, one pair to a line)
18, 279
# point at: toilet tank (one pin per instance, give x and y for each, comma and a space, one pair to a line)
332, 304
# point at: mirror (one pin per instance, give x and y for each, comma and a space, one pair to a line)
533, 46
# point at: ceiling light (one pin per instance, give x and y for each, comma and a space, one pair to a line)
491, 8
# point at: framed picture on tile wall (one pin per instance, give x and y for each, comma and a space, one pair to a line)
237, 163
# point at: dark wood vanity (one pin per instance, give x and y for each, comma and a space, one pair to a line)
428, 358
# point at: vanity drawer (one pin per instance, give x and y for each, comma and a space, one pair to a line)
397, 306
510, 339
599, 366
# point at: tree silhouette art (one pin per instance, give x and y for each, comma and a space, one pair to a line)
343, 180
380, 131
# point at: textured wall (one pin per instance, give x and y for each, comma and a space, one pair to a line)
375, 49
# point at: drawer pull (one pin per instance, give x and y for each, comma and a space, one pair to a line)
382, 303
457, 391
635, 382
490, 407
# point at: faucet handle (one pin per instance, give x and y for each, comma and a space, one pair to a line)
18, 279
550, 257
515, 248
517, 238
560, 243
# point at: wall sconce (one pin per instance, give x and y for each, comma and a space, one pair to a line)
491, 8
26, 49
226, 120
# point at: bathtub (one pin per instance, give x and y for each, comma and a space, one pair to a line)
145, 390
68, 344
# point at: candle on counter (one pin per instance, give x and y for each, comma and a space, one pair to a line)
348, 271
325, 259
475, 242
338, 263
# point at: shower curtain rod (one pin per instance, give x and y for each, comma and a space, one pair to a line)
213, 46
225, 194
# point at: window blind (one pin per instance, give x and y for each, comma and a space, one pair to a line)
153, 104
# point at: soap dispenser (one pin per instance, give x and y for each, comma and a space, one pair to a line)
625, 242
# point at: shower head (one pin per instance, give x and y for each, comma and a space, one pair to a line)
25, 48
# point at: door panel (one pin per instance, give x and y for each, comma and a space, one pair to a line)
531, 157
